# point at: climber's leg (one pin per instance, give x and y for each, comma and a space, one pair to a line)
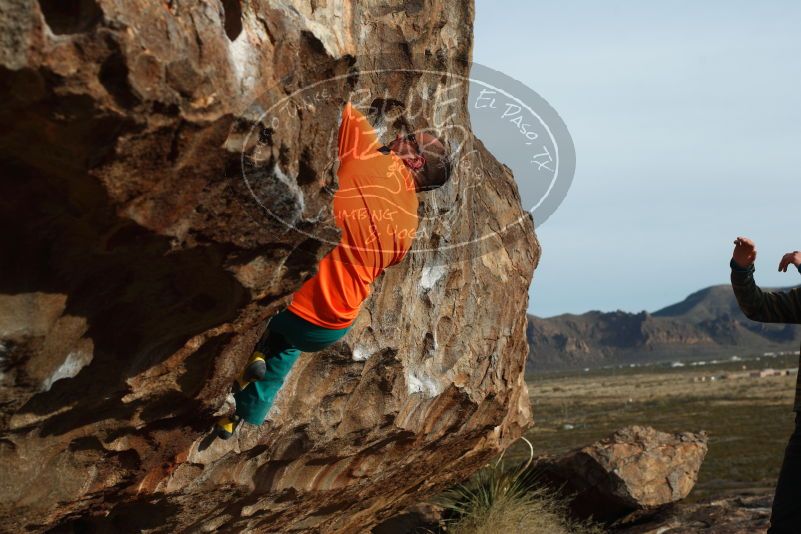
256, 368
307, 336
287, 336
253, 402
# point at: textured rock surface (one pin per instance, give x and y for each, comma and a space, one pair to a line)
422, 518
744, 514
635, 468
137, 271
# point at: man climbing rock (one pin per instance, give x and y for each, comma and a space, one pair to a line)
376, 209
774, 307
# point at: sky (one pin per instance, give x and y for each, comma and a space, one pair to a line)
686, 119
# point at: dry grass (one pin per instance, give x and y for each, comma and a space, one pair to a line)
500, 500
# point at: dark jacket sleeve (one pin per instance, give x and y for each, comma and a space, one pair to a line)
764, 306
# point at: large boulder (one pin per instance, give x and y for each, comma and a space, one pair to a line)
636, 468
138, 267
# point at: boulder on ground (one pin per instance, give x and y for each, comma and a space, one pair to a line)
636, 468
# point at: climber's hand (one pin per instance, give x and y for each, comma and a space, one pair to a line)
791, 258
744, 252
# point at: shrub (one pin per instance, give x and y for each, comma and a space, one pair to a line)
507, 501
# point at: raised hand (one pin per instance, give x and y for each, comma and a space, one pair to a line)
791, 258
744, 252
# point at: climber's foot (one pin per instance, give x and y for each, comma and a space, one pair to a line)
225, 426
255, 370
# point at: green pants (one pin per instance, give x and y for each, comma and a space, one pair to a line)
287, 335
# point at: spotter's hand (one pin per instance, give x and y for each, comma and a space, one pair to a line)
791, 258
744, 252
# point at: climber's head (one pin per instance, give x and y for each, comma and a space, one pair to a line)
426, 157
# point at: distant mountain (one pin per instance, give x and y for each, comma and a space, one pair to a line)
708, 322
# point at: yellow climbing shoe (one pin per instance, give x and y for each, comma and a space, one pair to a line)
254, 370
226, 425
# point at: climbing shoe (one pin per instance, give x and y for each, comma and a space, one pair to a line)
254, 370
225, 426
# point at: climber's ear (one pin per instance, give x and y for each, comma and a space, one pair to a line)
417, 162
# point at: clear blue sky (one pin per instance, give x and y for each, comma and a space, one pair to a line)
686, 118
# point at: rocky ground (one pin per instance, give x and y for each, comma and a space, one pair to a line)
741, 514
747, 418
746, 513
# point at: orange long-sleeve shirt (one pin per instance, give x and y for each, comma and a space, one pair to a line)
376, 209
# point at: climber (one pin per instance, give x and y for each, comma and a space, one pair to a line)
774, 307
376, 209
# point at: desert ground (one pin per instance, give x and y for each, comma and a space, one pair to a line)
745, 408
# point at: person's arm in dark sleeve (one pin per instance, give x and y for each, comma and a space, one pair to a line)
764, 306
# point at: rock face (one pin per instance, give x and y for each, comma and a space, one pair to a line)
636, 468
138, 268
419, 518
